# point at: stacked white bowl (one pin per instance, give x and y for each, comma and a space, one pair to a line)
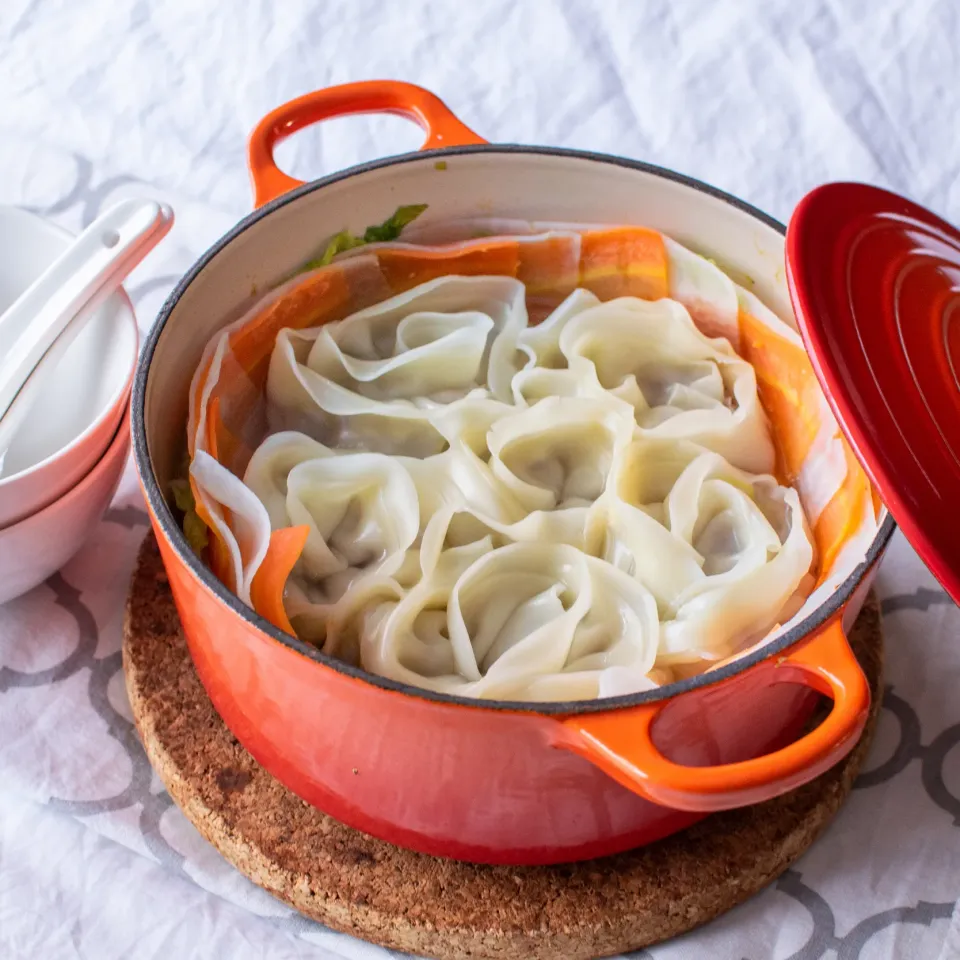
64, 464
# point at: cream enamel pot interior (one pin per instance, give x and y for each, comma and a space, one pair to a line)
485, 781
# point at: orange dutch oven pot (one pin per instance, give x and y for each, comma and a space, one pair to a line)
492, 782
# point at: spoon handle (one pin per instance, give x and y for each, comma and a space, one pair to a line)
94, 264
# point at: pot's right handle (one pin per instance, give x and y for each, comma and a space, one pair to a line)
620, 742
442, 128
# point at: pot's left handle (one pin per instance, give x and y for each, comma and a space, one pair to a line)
621, 742
442, 128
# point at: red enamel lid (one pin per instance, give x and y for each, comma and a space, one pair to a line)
875, 283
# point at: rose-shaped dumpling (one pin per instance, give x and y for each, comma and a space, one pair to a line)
724, 552
463, 501
271, 463
559, 452
409, 640
681, 384
447, 335
458, 480
302, 400
639, 539
532, 612
535, 621
439, 341
362, 513
432, 355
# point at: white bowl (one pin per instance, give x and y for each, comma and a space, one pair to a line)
35, 548
83, 397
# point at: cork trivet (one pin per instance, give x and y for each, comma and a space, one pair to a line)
411, 902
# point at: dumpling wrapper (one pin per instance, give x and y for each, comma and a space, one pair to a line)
524, 621
681, 384
724, 552
559, 452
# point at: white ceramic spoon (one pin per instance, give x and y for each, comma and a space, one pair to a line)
38, 327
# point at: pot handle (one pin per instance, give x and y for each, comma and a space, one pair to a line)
442, 128
620, 742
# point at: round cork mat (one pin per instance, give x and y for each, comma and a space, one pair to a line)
440, 908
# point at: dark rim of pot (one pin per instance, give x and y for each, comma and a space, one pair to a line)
171, 527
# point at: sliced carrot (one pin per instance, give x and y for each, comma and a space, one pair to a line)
213, 427
540, 307
790, 394
624, 262
223, 444
266, 591
404, 269
220, 561
315, 301
788, 390
842, 515
549, 266
197, 395
231, 440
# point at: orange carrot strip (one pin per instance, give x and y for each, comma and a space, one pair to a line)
195, 419
841, 516
624, 262
213, 427
223, 444
314, 301
405, 269
220, 562
266, 591
788, 390
548, 266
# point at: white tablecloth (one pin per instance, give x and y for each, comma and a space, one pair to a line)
763, 98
